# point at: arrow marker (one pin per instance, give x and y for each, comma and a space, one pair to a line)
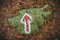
26, 20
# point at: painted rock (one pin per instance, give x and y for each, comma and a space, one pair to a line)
30, 20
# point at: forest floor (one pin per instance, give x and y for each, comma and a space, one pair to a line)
49, 31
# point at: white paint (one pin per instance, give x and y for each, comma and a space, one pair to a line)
24, 22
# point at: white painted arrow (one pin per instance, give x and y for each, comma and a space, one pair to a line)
26, 20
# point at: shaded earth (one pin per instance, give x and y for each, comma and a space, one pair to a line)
9, 8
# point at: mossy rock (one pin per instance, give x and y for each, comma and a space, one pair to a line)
39, 16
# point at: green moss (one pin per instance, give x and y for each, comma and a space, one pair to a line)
39, 16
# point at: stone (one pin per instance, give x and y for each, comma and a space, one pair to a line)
39, 16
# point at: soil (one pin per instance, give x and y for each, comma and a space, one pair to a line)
9, 8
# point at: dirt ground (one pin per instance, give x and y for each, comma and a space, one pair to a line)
9, 8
